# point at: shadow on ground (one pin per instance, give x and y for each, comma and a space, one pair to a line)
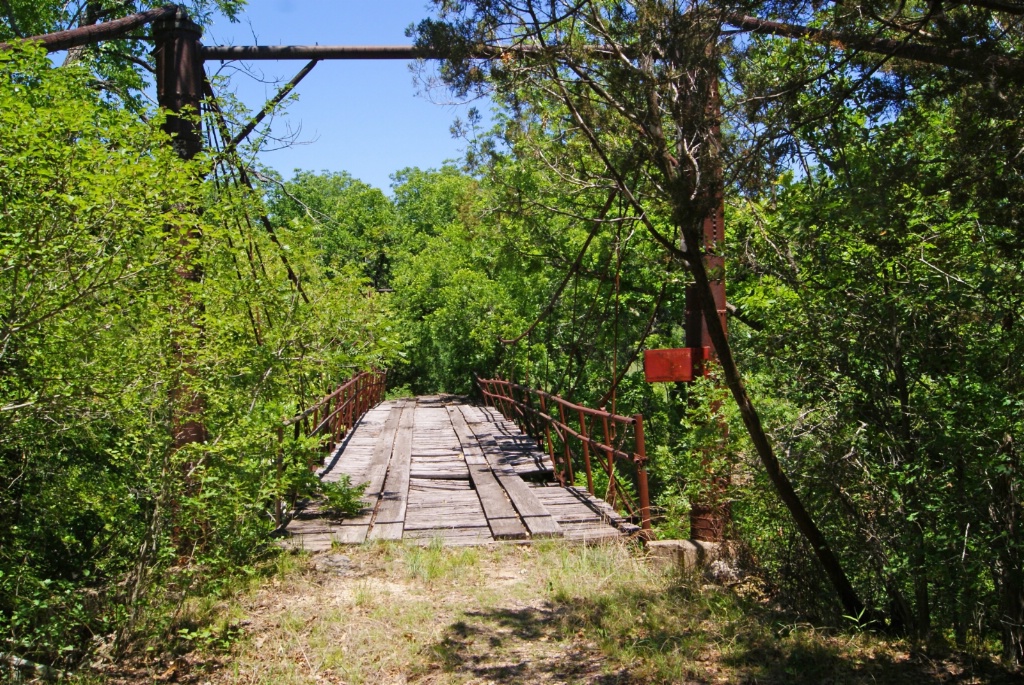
522, 645
630, 637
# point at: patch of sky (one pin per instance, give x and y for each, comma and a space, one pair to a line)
369, 118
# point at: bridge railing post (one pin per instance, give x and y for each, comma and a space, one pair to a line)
641, 474
586, 451
550, 444
609, 495
563, 435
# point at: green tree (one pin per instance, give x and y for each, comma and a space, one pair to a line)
353, 223
901, 296
454, 307
96, 208
890, 158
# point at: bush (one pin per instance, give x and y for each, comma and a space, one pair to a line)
341, 498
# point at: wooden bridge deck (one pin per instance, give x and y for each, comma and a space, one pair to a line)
437, 468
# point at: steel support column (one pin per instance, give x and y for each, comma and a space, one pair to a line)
179, 79
709, 518
179, 86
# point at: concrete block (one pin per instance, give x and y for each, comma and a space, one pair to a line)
685, 554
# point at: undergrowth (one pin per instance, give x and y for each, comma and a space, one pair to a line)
340, 498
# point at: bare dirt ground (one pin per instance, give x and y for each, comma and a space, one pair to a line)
389, 615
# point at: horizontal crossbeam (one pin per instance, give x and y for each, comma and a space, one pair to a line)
282, 52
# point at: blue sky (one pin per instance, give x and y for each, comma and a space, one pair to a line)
362, 117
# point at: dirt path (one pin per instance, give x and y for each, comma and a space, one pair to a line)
392, 614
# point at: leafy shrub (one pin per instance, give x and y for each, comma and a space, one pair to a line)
341, 498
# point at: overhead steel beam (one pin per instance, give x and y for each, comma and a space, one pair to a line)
88, 35
323, 52
381, 52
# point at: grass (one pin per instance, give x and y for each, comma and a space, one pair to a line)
547, 613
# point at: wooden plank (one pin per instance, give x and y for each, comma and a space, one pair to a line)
535, 515
440, 475
537, 518
466, 532
440, 521
440, 484
390, 518
454, 505
501, 515
378, 468
355, 530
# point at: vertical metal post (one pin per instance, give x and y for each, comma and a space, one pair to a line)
348, 408
698, 337
179, 86
713, 234
179, 80
564, 435
506, 399
534, 424
586, 450
358, 390
641, 475
609, 495
329, 422
363, 398
551, 445
337, 425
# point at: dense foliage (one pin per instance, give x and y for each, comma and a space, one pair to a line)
102, 518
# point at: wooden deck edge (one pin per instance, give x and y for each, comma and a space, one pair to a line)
604, 510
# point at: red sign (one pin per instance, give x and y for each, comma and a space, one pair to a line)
675, 365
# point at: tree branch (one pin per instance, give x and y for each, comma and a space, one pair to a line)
568, 275
972, 60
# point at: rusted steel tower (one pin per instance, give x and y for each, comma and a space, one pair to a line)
179, 79
179, 87
708, 516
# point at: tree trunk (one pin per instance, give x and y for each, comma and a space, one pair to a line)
1007, 514
844, 589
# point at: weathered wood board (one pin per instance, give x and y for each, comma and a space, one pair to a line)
437, 469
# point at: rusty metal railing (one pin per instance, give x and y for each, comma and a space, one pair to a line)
575, 436
332, 416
